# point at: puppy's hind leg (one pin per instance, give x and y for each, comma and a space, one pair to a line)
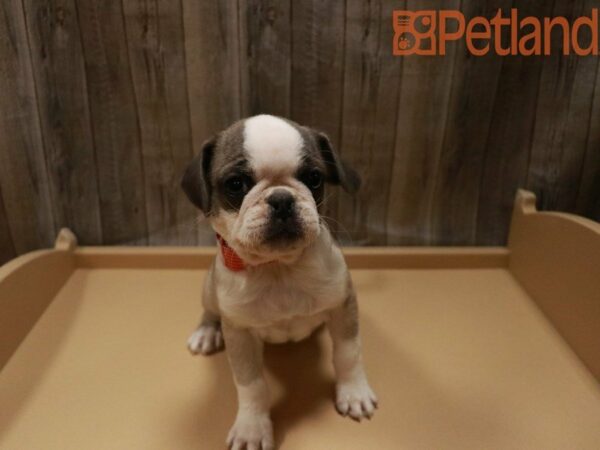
208, 337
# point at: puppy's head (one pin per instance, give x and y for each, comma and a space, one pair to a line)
261, 183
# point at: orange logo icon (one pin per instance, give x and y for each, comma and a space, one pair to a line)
414, 32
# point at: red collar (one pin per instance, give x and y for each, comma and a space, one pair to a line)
231, 259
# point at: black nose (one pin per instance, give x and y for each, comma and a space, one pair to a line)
282, 204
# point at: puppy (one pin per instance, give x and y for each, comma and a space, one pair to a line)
278, 274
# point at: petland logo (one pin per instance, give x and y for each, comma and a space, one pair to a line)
428, 33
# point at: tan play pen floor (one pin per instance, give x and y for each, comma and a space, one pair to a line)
458, 351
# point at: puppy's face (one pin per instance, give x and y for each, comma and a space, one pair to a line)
261, 183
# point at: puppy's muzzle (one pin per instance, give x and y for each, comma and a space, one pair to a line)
282, 205
284, 224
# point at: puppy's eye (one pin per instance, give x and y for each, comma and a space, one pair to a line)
313, 179
235, 185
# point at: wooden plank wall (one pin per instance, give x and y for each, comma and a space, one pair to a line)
103, 103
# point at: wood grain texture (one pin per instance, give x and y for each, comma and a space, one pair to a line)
506, 153
318, 65
213, 73
454, 203
23, 173
588, 194
157, 56
104, 103
59, 72
565, 95
265, 56
425, 89
318, 78
7, 247
115, 122
368, 125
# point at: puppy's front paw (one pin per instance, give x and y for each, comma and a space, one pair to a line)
207, 339
356, 399
251, 432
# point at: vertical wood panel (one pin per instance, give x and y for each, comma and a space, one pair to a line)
23, 175
453, 212
213, 72
115, 123
157, 55
588, 194
318, 76
559, 141
59, 72
7, 248
265, 56
370, 109
318, 65
507, 149
423, 112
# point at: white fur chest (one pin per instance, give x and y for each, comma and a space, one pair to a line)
282, 303
294, 329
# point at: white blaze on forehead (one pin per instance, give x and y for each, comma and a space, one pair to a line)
273, 145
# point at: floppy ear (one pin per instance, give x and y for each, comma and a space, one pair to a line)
196, 179
338, 172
